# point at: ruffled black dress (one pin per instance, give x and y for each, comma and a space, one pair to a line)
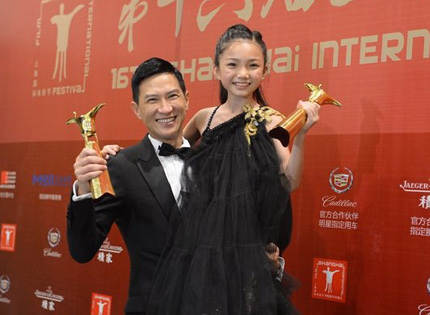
216, 262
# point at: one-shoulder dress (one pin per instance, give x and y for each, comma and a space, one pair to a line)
232, 207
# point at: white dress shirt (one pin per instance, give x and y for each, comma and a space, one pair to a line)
172, 165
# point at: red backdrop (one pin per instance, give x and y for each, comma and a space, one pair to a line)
362, 214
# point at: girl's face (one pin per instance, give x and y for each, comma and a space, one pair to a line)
241, 68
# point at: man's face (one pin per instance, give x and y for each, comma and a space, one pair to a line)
162, 107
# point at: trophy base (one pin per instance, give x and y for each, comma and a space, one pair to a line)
281, 134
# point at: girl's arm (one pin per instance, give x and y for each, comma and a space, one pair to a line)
291, 163
195, 127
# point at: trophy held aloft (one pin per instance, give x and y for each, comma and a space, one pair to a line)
100, 185
287, 129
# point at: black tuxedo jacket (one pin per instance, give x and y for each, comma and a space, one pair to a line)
143, 205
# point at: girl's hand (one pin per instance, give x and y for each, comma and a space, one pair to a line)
312, 111
110, 149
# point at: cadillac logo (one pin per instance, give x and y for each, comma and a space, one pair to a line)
54, 236
341, 180
4, 284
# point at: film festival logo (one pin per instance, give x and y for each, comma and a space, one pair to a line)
48, 299
8, 234
105, 254
101, 304
329, 279
422, 188
63, 46
4, 287
54, 237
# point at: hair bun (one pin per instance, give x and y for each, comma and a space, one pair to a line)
257, 35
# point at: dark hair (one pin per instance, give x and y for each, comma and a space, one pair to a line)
237, 32
149, 68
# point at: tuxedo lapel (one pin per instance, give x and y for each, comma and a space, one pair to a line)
153, 173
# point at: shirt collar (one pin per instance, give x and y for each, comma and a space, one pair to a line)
156, 143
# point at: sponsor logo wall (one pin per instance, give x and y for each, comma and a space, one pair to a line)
361, 218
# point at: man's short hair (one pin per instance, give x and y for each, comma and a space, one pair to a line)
149, 68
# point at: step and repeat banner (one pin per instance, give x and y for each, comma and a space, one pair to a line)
361, 225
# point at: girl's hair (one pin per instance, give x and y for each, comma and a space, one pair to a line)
238, 32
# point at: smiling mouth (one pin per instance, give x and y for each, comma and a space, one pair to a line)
241, 84
166, 120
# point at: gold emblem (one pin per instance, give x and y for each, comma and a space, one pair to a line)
253, 117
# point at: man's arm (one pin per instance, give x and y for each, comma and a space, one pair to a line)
88, 224
89, 221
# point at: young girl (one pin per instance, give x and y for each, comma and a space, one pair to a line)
236, 191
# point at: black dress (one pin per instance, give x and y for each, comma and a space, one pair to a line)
216, 262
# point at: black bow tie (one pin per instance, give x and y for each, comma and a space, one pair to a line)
166, 149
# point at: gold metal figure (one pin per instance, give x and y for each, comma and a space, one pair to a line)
254, 116
86, 123
288, 128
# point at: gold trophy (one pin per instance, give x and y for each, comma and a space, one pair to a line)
287, 129
102, 184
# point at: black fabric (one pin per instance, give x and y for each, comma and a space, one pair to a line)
166, 149
143, 205
215, 261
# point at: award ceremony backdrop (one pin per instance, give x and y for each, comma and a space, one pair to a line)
361, 226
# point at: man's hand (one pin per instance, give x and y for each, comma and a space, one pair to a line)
88, 165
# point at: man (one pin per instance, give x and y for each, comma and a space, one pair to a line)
147, 185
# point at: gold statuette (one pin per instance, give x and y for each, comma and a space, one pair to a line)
287, 129
86, 123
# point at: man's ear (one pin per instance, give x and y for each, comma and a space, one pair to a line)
187, 99
135, 108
